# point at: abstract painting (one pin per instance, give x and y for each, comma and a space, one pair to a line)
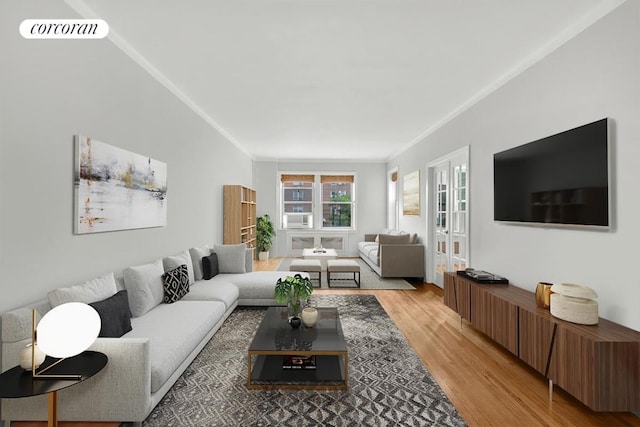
116, 189
411, 193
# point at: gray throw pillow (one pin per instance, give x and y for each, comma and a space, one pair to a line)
144, 287
196, 259
231, 258
90, 291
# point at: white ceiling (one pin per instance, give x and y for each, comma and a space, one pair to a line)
336, 79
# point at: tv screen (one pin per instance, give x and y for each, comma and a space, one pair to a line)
562, 179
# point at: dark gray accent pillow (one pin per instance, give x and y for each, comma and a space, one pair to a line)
115, 315
209, 266
176, 284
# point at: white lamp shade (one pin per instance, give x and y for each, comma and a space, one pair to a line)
68, 329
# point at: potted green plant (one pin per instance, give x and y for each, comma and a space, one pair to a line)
264, 236
294, 291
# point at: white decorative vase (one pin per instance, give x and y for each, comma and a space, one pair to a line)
263, 256
574, 303
25, 357
309, 316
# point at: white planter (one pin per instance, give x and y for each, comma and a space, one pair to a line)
309, 316
262, 256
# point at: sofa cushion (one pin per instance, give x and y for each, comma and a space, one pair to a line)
115, 315
366, 247
174, 331
231, 258
144, 287
210, 266
258, 287
171, 262
218, 288
196, 260
394, 240
176, 284
90, 291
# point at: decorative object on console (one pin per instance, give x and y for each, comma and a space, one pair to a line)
294, 291
411, 193
116, 189
574, 303
543, 294
309, 316
264, 236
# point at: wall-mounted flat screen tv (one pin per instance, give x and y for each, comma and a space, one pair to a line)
560, 180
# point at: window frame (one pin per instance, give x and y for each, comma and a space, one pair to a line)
318, 201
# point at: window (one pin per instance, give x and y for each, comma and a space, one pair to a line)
337, 200
335, 194
297, 201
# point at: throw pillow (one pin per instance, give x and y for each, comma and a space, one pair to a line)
90, 291
209, 266
115, 315
177, 260
196, 259
176, 284
231, 258
144, 286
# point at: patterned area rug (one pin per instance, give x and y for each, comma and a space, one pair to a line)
368, 278
388, 384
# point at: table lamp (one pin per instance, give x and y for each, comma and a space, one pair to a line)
64, 331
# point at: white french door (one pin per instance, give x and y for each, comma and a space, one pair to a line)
448, 216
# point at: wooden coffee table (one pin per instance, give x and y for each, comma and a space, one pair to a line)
323, 255
275, 340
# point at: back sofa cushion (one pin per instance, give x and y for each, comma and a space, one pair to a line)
231, 258
177, 260
115, 315
394, 240
144, 287
196, 259
90, 291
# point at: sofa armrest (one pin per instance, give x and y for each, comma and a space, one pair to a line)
402, 260
122, 390
370, 237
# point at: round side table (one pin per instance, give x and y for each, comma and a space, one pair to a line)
16, 382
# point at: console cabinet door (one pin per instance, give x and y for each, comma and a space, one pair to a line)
504, 323
536, 332
480, 309
450, 292
456, 295
572, 364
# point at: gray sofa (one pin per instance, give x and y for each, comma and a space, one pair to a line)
145, 362
393, 253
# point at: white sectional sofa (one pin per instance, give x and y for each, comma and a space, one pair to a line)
145, 362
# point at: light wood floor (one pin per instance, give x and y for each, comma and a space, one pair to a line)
487, 385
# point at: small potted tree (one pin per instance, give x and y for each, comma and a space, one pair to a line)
264, 236
294, 291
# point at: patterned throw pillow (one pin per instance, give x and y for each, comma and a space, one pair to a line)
176, 284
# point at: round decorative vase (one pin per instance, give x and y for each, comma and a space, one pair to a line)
574, 303
25, 357
543, 295
309, 316
295, 322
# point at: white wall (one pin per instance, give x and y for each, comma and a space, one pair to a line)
53, 89
370, 194
594, 75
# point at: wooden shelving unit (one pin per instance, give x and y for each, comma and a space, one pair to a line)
239, 215
599, 364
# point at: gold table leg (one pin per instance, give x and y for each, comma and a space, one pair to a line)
53, 409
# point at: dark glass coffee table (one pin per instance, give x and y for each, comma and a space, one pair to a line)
303, 358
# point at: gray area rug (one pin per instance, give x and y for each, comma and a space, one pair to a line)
368, 278
388, 384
